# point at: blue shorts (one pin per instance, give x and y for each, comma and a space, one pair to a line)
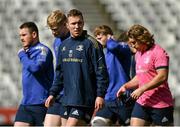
56, 109
117, 110
81, 113
157, 116
32, 114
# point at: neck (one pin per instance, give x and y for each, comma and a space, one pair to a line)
35, 42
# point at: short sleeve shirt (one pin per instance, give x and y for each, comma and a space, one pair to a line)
147, 64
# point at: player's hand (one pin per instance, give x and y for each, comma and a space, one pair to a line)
121, 91
49, 101
99, 103
137, 93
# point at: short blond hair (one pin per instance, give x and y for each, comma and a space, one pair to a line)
56, 18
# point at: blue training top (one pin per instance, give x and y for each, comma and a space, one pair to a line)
118, 60
37, 73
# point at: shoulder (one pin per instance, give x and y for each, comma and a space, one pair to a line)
158, 47
65, 41
57, 41
44, 49
43, 46
124, 44
158, 50
93, 41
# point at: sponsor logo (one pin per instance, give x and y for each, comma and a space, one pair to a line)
63, 49
75, 113
65, 113
164, 120
43, 51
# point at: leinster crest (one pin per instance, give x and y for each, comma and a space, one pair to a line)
79, 47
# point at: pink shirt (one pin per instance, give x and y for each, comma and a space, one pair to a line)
146, 66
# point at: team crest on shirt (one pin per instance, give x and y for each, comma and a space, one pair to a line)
146, 60
79, 47
70, 53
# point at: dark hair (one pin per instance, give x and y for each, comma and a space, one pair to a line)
103, 29
31, 26
74, 12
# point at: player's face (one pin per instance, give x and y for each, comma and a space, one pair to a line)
26, 37
59, 30
102, 39
137, 45
75, 25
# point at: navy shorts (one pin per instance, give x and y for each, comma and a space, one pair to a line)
56, 109
81, 113
32, 114
157, 116
117, 110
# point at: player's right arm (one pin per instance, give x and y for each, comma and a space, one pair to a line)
34, 60
132, 84
118, 48
102, 78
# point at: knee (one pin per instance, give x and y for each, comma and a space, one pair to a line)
100, 121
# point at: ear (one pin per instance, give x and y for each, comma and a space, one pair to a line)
34, 34
67, 25
83, 23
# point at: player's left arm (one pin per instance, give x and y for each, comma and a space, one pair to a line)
102, 79
162, 75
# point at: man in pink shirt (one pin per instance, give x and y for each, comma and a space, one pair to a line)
154, 103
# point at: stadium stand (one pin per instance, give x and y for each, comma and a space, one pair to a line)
161, 17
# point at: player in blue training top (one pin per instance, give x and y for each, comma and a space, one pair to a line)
81, 71
37, 76
118, 60
56, 21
